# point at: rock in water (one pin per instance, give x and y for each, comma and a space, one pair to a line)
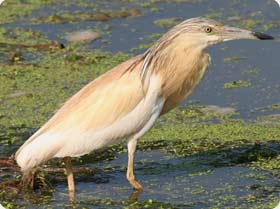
82, 36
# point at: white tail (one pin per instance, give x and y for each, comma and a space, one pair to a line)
35, 151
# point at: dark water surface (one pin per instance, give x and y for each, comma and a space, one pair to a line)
169, 182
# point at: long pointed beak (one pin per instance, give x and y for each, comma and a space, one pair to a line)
231, 33
262, 36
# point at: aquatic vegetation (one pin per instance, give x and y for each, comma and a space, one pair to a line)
82, 16
232, 59
21, 36
237, 84
43, 88
17, 9
167, 22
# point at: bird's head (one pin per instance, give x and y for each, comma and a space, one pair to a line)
192, 36
207, 32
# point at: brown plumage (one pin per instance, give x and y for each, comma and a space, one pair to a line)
126, 101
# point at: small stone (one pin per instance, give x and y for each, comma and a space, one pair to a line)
218, 110
82, 36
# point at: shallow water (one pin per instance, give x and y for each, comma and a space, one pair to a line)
171, 181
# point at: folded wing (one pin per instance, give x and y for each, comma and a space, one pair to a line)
96, 116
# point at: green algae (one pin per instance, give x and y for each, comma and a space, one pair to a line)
140, 47
252, 71
214, 15
167, 22
18, 45
151, 3
16, 9
195, 133
45, 86
73, 17
21, 36
232, 59
237, 84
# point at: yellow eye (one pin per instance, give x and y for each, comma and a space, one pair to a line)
208, 29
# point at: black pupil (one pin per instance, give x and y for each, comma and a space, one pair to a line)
208, 30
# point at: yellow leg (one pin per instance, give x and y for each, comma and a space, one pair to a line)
130, 168
70, 178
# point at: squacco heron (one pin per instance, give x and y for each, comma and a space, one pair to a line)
125, 102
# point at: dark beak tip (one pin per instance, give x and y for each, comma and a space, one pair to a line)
262, 36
